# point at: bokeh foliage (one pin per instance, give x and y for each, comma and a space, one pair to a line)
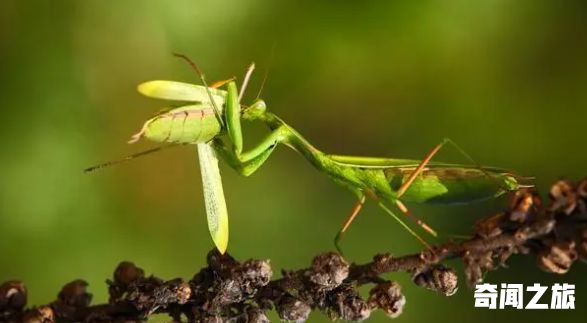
504, 79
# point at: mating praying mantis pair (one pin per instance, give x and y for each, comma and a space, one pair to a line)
207, 116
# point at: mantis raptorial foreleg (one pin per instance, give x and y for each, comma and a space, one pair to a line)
256, 157
247, 162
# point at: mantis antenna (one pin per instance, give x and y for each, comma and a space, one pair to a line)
266, 71
130, 157
201, 75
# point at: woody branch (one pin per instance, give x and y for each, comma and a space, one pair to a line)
227, 290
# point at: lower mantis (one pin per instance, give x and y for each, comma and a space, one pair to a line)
213, 115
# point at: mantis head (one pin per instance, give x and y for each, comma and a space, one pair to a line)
256, 110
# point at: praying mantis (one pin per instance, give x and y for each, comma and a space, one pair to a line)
208, 117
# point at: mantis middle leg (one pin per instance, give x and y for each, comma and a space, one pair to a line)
354, 211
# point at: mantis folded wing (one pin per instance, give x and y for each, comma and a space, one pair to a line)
213, 196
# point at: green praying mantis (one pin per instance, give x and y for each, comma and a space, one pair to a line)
207, 116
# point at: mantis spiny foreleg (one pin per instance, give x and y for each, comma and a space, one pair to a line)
248, 162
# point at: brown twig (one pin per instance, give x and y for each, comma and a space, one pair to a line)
230, 291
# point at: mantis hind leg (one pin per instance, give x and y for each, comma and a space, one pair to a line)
419, 171
421, 223
355, 211
386, 209
427, 159
409, 181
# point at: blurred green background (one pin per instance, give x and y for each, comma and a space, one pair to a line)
504, 79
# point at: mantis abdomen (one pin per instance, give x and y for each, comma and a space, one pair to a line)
451, 185
189, 124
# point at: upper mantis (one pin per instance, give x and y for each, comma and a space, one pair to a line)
211, 114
